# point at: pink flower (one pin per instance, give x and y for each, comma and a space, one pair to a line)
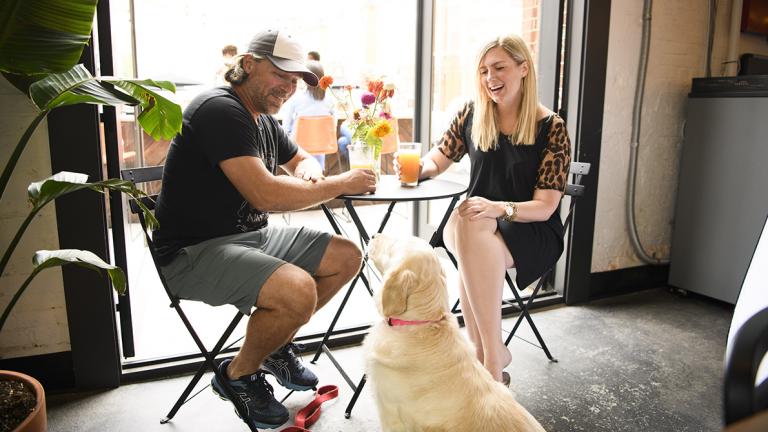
385, 115
367, 98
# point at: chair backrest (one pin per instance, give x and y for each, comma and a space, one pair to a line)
575, 189
139, 176
389, 142
317, 134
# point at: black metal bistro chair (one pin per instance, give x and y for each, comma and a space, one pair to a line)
154, 173
743, 396
745, 384
573, 189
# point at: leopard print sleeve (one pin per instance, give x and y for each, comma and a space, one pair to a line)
451, 145
553, 170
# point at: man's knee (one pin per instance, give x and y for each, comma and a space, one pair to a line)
352, 255
343, 256
292, 291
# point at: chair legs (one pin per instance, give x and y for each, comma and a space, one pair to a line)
520, 303
209, 363
525, 314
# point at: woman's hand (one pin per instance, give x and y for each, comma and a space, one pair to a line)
478, 207
396, 165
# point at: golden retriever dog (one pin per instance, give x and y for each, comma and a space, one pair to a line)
423, 371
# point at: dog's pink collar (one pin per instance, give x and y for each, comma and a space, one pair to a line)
394, 322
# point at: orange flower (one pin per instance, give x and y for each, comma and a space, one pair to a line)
326, 82
375, 87
382, 128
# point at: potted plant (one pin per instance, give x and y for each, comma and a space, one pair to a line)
39, 50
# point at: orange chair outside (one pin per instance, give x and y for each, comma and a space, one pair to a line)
389, 142
317, 134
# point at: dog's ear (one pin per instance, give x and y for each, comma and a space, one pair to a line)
394, 295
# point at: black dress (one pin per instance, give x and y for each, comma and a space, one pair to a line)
511, 173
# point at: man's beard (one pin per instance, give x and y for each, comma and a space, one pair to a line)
266, 105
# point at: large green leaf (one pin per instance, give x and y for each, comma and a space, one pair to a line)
75, 86
160, 118
44, 259
64, 182
42, 192
43, 36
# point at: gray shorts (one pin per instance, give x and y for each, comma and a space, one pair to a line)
232, 269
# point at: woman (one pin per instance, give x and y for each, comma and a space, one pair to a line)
520, 155
313, 101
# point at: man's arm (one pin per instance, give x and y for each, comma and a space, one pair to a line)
268, 192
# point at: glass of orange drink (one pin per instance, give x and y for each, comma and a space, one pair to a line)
408, 157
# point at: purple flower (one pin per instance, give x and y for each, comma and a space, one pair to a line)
367, 98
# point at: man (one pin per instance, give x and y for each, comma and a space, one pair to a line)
219, 185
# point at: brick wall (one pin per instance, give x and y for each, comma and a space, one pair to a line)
677, 54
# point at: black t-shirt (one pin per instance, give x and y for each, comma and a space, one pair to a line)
511, 172
197, 202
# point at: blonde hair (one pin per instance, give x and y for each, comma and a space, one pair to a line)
485, 132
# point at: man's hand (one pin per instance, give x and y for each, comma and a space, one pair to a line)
309, 170
358, 182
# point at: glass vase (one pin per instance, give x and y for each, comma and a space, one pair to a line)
363, 155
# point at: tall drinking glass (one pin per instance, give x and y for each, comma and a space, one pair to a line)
408, 157
360, 156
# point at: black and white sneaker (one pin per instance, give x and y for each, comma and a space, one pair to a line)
256, 395
286, 367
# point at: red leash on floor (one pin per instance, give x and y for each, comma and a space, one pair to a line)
308, 415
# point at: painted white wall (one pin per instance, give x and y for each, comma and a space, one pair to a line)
38, 323
677, 54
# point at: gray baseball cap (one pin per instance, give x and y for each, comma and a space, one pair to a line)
283, 51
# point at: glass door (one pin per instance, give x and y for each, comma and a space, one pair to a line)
459, 31
182, 41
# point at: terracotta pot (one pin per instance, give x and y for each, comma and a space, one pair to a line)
38, 419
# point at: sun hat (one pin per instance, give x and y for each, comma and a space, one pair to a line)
283, 51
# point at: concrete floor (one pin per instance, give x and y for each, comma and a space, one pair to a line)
650, 361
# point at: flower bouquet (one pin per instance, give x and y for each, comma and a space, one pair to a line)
369, 122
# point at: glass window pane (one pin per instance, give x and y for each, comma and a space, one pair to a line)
358, 40
455, 60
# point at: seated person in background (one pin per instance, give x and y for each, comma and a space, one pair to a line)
520, 155
227, 54
313, 101
214, 244
345, 137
